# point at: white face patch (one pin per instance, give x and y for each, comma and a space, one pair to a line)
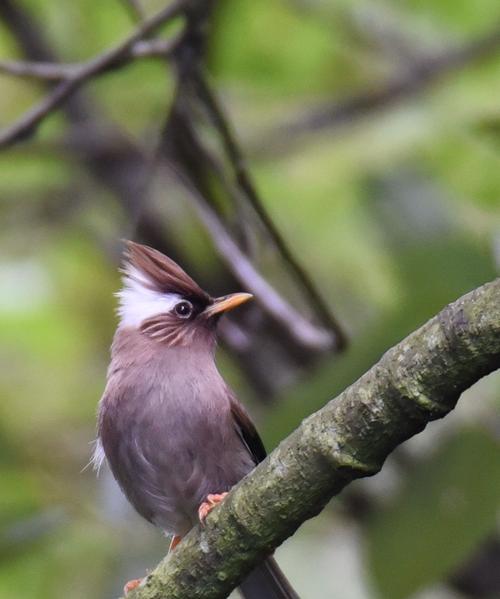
137, 301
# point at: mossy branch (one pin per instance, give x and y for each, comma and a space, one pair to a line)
418, 380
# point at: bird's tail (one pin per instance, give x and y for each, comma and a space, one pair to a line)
267, 581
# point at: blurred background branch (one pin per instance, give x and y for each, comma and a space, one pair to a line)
28, 123
48, 71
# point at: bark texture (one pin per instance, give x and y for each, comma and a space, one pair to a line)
417, 381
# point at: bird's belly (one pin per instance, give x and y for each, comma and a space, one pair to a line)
168, 464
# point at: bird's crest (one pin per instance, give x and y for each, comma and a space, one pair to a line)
159, 273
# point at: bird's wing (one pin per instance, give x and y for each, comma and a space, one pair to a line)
247, 431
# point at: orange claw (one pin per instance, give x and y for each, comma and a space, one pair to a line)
208, 505
131, 585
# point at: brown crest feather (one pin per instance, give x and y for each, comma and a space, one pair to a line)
163, 272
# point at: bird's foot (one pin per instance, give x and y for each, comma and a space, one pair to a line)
208, 505
131, 585
176, 539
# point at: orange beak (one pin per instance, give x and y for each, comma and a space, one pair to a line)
226, 303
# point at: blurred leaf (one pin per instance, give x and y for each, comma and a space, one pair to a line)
307, 61
20, 495
74, 563
448, 506
458, 15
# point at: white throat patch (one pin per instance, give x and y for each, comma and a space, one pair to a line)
138, 301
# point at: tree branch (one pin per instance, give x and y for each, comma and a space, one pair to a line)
27, 124
417, 381
53, 71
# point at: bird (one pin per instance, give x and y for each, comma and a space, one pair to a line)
171, 430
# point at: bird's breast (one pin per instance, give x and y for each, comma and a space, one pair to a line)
169, 438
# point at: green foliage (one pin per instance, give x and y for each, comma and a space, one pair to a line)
258, 57
447, 507
455, 15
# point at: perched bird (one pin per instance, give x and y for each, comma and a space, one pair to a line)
173, 433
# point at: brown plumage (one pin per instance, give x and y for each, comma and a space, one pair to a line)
169, 426
165, 275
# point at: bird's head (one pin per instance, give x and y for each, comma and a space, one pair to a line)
164, 303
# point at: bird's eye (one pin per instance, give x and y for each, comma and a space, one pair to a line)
184, 309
